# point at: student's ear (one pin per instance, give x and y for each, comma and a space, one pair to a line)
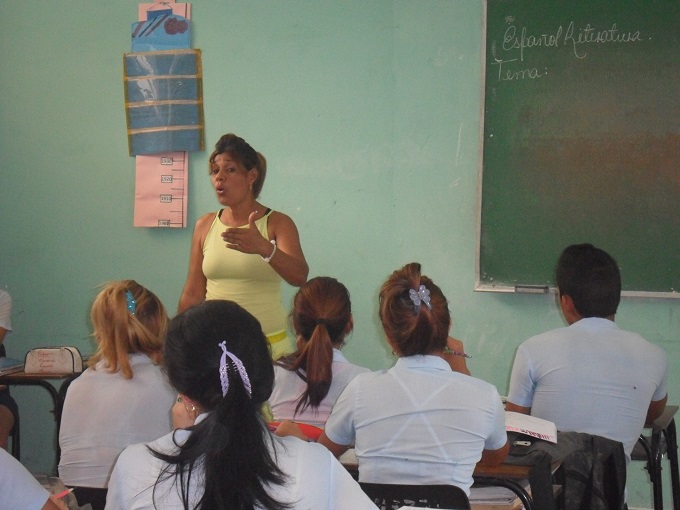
569, 311
350, 325
392, 346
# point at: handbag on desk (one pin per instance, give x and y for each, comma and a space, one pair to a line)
53, 360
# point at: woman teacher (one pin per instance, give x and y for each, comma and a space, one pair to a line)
243, 251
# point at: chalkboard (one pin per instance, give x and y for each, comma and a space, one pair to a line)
581, 140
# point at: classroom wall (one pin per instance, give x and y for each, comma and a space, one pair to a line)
369, 116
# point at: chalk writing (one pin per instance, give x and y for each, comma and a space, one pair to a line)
506, 74
573, 37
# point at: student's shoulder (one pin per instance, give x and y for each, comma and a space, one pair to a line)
545, 338
138, 454
479, 385
306, 453
132, 456
644, 347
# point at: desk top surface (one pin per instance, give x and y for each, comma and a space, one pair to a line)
514, 471
21, 376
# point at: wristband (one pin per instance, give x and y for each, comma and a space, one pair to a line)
268, 259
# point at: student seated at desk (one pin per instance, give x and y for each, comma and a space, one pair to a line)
20, 490
590, 376
123, 397
218, 359
420, 422
308, 382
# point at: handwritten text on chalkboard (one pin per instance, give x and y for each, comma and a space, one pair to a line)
518, 41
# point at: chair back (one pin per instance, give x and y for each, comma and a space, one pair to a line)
394, 496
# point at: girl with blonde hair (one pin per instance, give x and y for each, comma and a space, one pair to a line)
123, 397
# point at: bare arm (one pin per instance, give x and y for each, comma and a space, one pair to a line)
335, 449
289, 260
3, 333
194, 287
495, 457
288, 428
509, 406
53, 503
656, 408
454, 355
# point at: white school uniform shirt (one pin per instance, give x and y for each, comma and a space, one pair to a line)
316, 480
418, 423
5, 310
590, 377
18, 487
104, 412
288, 387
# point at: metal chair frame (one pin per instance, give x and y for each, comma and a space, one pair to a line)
394, 496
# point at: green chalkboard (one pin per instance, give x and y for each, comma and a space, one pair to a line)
581, 140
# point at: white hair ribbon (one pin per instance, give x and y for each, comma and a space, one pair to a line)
224, 375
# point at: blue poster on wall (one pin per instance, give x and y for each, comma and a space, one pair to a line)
164, 101
162, 30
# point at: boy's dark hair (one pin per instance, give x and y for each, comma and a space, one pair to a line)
591, 277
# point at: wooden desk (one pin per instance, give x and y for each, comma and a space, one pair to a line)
23, 379
43, 380
509, 476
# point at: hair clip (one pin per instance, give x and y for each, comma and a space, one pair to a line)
224, 375
131, 302
421, 295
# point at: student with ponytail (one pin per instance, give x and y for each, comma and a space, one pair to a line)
422, 421
308, 382
217, 358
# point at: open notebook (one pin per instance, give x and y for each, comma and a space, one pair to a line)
10, 365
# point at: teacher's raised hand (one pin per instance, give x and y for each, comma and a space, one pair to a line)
244, 251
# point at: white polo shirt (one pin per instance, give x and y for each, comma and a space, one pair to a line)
315, 479
590, 377
18, 487
418, 423
288, 387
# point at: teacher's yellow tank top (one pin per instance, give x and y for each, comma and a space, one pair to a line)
244, 278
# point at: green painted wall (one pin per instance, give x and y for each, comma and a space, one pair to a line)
369, 115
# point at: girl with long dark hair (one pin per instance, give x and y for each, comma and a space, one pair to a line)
218, 360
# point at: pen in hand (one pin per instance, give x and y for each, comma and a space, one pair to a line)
63, 493
447, 350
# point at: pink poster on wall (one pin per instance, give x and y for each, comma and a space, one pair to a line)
161, 179
161, 190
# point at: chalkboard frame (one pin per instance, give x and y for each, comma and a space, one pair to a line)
483, 282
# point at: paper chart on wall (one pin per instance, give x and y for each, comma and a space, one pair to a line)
161, 190
161, 179
179, 9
